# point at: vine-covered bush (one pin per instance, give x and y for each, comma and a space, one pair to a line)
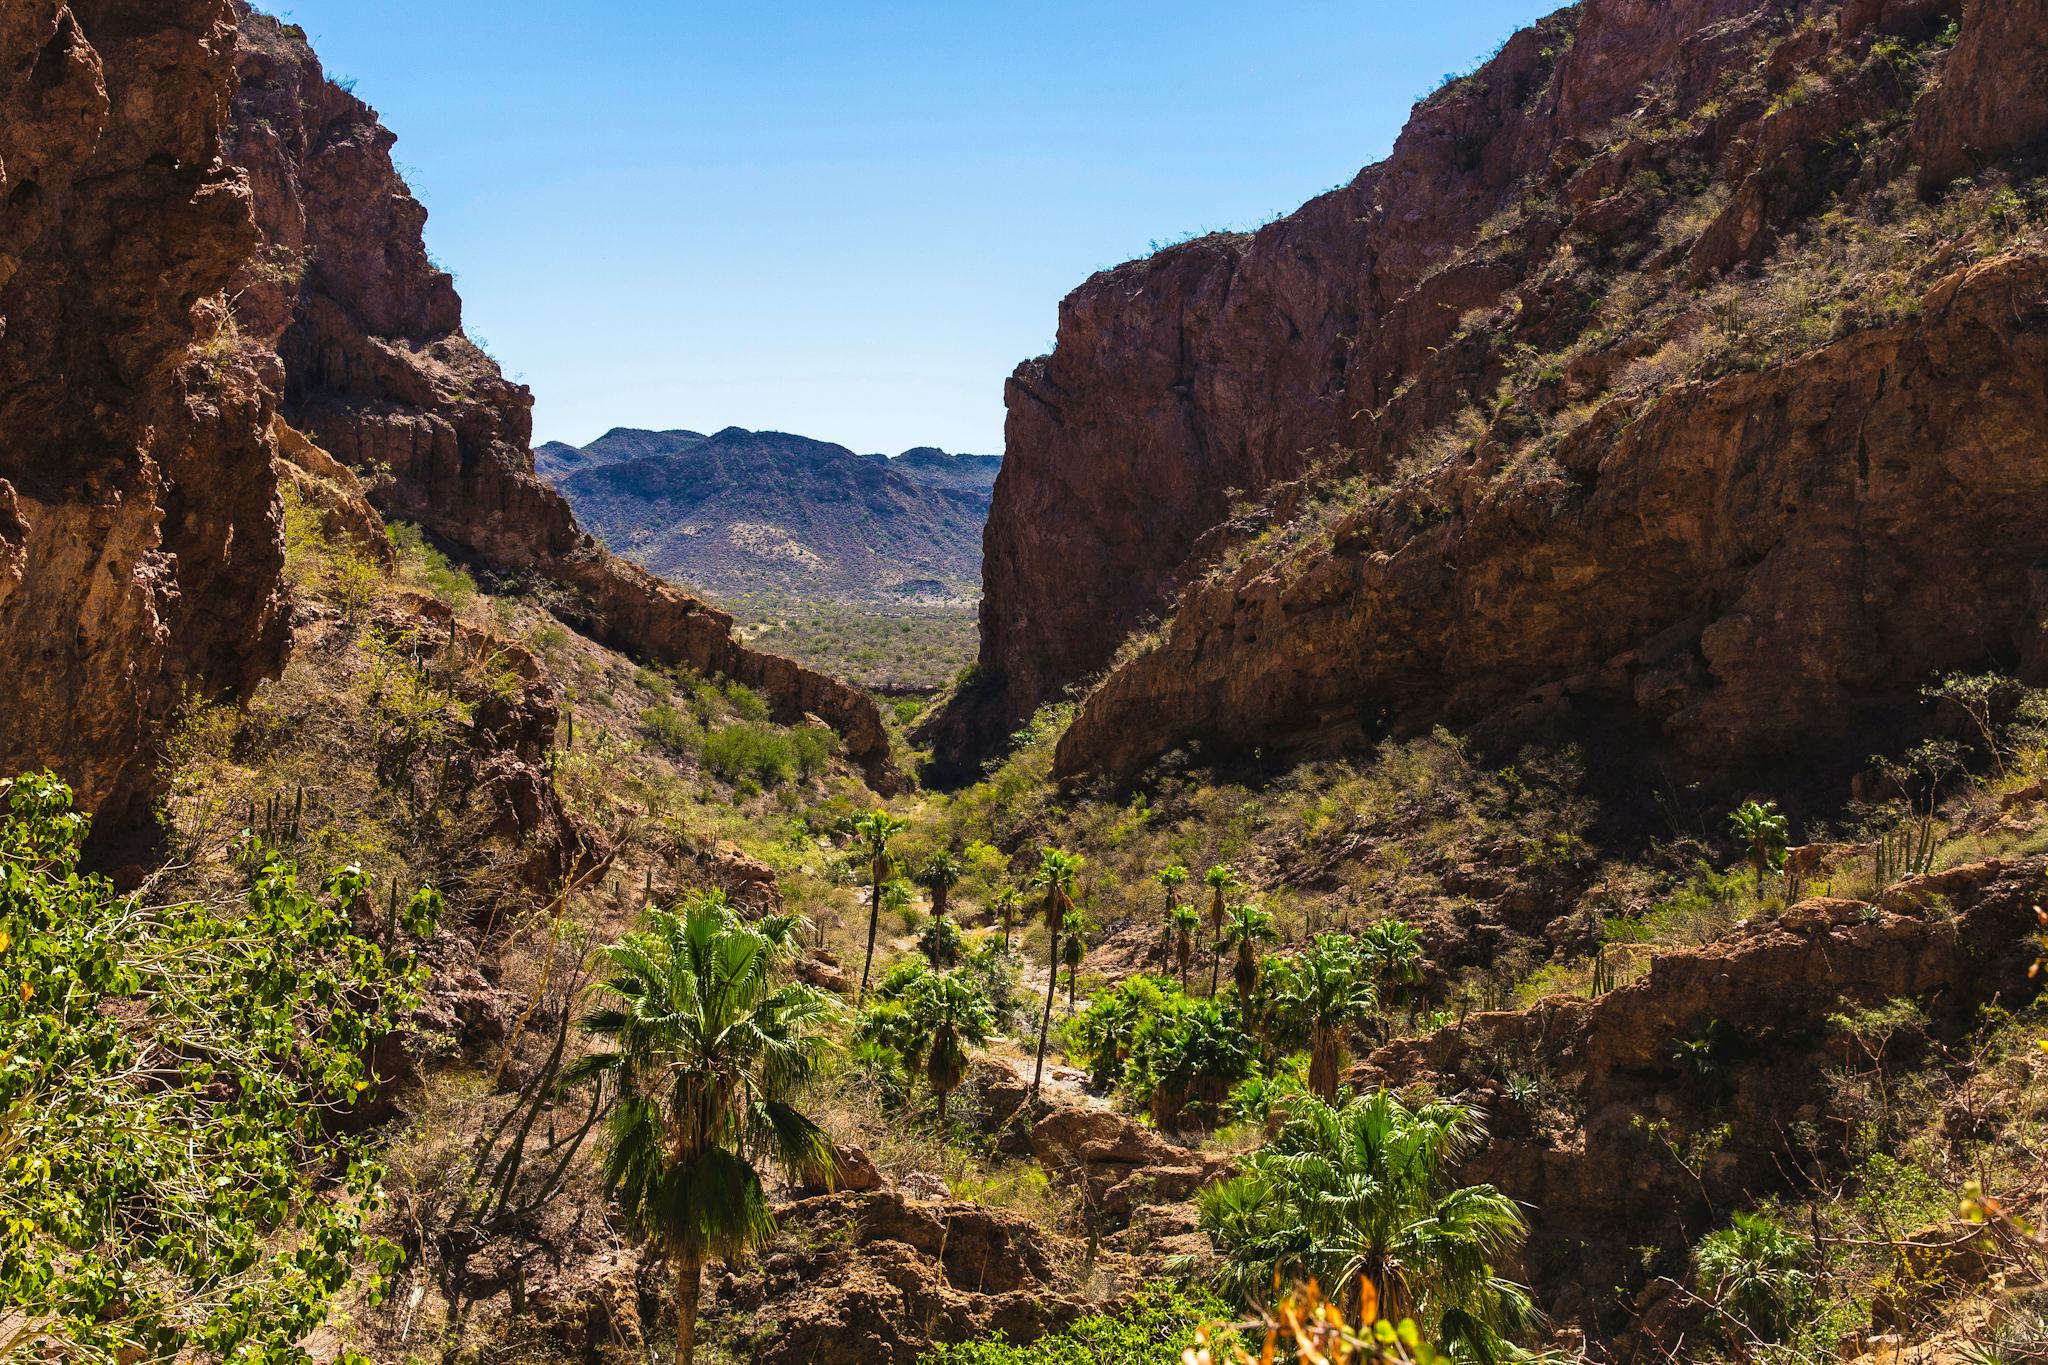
171, 1180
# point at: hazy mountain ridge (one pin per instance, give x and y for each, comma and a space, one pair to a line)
744, 512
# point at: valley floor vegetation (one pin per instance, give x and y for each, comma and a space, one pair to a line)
480, 952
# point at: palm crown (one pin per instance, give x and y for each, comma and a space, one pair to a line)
1317, 996
1362, 1194
706, 1048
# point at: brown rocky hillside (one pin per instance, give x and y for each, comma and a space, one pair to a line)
206, 249
1686, 364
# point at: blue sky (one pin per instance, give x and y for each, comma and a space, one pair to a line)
852, 220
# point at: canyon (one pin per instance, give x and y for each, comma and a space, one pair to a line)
1557, 625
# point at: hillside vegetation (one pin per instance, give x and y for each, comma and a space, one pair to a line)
426, 938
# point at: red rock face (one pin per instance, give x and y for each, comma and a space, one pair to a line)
140, 547
198, 232
378, 371
1728, 559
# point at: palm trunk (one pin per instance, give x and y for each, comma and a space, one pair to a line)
1052, 985
1322, 1065
689, 1285
1215, 967
940, 1095
874, 925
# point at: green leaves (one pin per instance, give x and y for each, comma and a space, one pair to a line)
1363, 1193
169, 1179
706, 1047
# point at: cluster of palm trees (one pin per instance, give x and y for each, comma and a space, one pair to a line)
703, 1039
930, 1019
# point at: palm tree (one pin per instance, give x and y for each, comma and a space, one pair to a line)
1763, 833
1245, 927
939, 941
1187, 922
938, 876
950, 1017
705, 1050
1057, 870
1171, 879
1318, 995
1190, 1053
1074, 949
1362, 1195
1221, 880
1393, 950
1006, 905
871, 835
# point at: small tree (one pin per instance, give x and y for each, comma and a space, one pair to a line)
1057, 870
938, 875
1317, 996
1393, 950
1171, 879
1221, 880
1007, 906
931, 1020
871, 835
1074, 949
939, 941
1764, 835
1360, 1198
1188, 1055
1753, 1270
1979, 697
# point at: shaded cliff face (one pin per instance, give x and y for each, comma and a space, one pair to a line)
378, 371
1658, 371
140, 550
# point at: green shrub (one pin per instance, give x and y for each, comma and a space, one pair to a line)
749, 751
439, 574
1155, 1324
1753, 1270
671, 730
214, 1212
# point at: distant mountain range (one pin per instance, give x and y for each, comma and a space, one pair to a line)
740, 513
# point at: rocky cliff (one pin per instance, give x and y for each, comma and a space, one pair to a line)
378, 370
139, 541
1664, 373
203, 248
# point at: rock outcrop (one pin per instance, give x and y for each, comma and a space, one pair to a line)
140, 551
1735, 1034
199, 234
1443, 444
878, 1277
378, 371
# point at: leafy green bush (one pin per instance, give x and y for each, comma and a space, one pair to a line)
213, 1211
1156, 1324
752, 751
440, 575
1754, 1270
672, 731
